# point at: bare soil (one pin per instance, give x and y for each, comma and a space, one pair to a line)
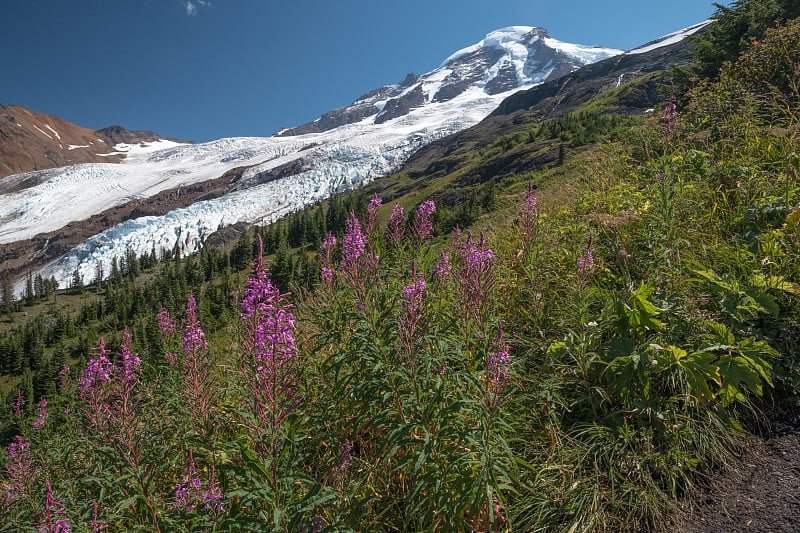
758, 492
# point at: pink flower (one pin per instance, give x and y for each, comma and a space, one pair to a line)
423, 223
443, 267
18, 405
165, 325
372, 213
397, 223
193, 337
41, 415
354, 242
20, 470
53, 518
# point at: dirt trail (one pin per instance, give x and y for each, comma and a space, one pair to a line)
759, 492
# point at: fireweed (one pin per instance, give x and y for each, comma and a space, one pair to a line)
193, 494
112, 412
443, 267
53, 518
423, 222
20, 471
357, 264
397, 225
475, 279
409, 319
268, 367
41, 415
18, 405
372, 215
92, 389
585, 263
327, 274
497, 372
167, 329
198, 390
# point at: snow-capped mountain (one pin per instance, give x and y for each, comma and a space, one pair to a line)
276, 175
505, 60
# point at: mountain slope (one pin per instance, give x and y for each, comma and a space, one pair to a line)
35, 141
279, 174
559, 96
627, 84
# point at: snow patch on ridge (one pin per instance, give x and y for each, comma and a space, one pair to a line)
669, 39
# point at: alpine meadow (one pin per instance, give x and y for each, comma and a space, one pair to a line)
565, 318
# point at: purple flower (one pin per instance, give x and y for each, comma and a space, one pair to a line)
354, 242
268, 365
372, 213
529, 217
423, 223
192, 492
20, 470
41, 415
327, 247
345, 462
409, 319
193, 337
98, 370
475, 278
414, 294
165, 325
63, 377
326, 260
327, 275
131, 364
397, 223
670, 115
443, 267
18, 405
374, 204
197, 388
497, 370
585, 263
53, 518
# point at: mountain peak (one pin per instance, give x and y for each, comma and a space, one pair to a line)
506, 59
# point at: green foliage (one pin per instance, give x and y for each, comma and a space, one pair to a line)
734, 28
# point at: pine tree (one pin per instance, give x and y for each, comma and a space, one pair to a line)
77, 282
8, 294
29, 288
99, 274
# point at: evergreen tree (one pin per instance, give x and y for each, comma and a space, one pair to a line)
77, 282
29, 289
8, 294
99, 274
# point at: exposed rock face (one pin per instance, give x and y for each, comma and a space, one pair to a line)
505, 80
35, 141
117, 134
333, 119
397, 107
465, 71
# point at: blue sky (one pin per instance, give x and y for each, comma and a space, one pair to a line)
205, 69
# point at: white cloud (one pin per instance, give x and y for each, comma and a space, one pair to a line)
192, 7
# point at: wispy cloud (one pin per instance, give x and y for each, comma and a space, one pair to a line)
193, 6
